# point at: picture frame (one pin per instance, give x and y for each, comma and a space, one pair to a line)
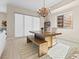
64, 20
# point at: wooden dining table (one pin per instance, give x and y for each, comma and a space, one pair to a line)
44, 44
48, 36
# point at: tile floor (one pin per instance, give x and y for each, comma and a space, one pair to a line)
17, 49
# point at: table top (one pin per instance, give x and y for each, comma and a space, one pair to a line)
46, 33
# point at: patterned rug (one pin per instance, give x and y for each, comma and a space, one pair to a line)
74, 55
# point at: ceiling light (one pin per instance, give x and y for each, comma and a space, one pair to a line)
44, 11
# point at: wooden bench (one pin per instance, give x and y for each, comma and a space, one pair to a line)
42, 44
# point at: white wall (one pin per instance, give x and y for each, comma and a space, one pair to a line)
3, 8
11, 10
68, 34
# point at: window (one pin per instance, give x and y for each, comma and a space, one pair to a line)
60, 21
28, 25
65, 20
24, 24
19, 25
36, 24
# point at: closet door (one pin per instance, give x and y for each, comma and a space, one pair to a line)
19, 31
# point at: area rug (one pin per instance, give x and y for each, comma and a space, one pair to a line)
30, 51
74, 55
59, 51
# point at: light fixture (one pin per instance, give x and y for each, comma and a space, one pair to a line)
43, 11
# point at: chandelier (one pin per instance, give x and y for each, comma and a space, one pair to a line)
43, 11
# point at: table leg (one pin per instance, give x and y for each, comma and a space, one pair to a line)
43, 49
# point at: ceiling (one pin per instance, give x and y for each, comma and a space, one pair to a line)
34, 4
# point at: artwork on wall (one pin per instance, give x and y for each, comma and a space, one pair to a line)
47, 25
4, 24
64, 20
60, 20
